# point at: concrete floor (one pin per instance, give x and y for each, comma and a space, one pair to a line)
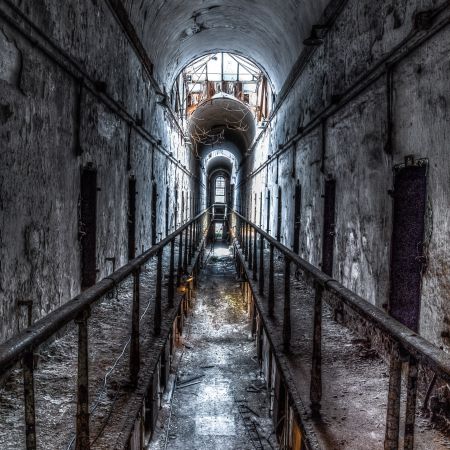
227, 401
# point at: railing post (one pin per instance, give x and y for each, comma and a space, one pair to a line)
393, 403
135, 362
271, 281
180, 258
170, 286
29, 404
411, 398
186, 249
255, 256
246, 241
191, 239
158, 297
261, 265
316, 367
82, 437
250, 248
287, 304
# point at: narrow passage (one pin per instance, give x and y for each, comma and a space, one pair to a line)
219, 400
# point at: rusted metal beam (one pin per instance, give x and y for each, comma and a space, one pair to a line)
135, 357
82, 441
29, 403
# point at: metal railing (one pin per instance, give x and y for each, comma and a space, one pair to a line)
405, 346
21, 348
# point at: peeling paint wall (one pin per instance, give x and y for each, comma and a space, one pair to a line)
39, 165
353, 146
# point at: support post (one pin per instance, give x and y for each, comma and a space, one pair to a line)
250, 249
271, 281
246, 241
191, 242
393, 403
261, 266
255, 256
171, 285
82, 438
180, 258
411, 400
158, 296
316, 367
287, 305
29, 403
186, 249
135, 362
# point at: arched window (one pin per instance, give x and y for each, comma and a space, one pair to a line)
219, 193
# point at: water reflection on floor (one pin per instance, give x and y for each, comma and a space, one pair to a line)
211, 406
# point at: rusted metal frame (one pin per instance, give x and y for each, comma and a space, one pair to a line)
425, 353
391, 440
287, 305
13, 350
411, 400
29, 401
158, 295
316, 365
255, 255
135, 359
261, 265
82, 441
171, 283
271, 296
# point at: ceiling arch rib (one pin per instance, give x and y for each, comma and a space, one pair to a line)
269, 32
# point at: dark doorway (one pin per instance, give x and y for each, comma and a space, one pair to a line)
279, 209
154, 212
88, 226
131, 218
167, 210
328, 227
407, 244
297, 217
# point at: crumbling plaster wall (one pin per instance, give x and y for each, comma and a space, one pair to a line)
352, 146
39, 165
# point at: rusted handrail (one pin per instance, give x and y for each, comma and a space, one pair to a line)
12, 350
424, 351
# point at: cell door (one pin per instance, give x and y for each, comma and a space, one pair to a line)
88, 227
329, 227
154, 213
407, 244
131, 218
297, 217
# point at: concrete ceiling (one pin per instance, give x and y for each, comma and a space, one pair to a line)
268, 32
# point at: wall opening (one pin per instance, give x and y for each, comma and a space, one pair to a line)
407, 261
88, 227
329, 227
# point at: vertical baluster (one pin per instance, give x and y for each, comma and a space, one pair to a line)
82, 438
271, 281
255, 256
191, 239
246, 241
28, 394
171, 287
411, 398
316, 367
250, 249
158, 296
261, 265
135, 363
287, 304
186, 250
393, 404
180, 258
